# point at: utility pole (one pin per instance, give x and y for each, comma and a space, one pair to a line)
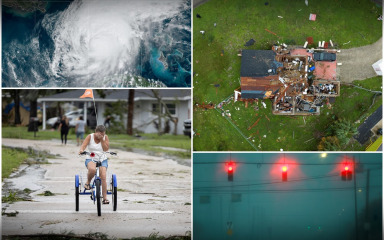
367, 223
354, 180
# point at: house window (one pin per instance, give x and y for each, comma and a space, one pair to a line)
155, 108
171, 108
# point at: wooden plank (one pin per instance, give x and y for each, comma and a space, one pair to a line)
257, 121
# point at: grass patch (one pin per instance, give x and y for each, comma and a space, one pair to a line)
46, 193
11, 197
237, 21
272, 133
11, 160
217, 69
153, 143
148, 142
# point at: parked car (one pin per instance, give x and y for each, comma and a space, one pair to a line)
324, 56
187, 127
73, 116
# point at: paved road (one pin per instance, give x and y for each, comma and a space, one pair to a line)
197, 3
152, 195
357, 62
365, 128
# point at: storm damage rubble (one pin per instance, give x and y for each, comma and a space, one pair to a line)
299, 81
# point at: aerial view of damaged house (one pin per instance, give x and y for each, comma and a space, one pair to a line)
298, 80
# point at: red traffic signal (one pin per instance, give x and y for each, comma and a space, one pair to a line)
284, 173
230, 167
346, 173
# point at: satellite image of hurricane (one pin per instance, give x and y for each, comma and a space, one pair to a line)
96, 43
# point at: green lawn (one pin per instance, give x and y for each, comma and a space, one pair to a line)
11, 159
295, 133
217, 68
147, 142
215, 53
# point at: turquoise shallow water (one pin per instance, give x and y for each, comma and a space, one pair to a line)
37, 54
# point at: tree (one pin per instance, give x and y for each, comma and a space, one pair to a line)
131, 105
16, 98
330, 143
167, 114
344, 130
32, 97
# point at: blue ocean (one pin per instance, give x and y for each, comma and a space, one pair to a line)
83, 43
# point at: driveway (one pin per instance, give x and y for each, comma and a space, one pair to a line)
197, 3
154, 196
357, 62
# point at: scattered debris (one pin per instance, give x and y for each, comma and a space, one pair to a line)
306, 2
279, 16
257, 121
202, 32
264, 105
346, 43
198, 16
267, 118
312, 17
265, 136
206, 106
214, 24
250, 42
270, 32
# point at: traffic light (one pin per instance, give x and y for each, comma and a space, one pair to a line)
230, 169
284, 172
346, 173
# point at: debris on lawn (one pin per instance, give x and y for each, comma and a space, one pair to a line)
297, 80
198, 16
202, 32
270, 32
250, 42
279, 16
312, 17
346, 43
254, 124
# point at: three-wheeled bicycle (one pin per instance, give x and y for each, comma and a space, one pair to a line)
95, 184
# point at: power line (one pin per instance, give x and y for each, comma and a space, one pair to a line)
289, 163
299, 190
274, 182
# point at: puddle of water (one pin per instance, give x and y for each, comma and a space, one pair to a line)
26, 177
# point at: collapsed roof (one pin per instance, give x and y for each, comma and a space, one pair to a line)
297, 79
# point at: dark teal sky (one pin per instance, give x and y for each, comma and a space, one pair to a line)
313, 204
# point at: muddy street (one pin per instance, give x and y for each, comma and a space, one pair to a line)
154, 195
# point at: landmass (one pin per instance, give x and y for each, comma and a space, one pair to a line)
26, 6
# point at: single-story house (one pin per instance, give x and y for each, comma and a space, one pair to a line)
178, 102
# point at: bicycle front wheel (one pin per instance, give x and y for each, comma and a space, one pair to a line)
77, 192
114, 192
98, 200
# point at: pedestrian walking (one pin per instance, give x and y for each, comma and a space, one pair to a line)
80, 130
64, 129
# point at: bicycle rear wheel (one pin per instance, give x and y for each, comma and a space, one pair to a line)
98, 200
77, 192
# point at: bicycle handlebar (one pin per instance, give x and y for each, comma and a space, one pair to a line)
89, 153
